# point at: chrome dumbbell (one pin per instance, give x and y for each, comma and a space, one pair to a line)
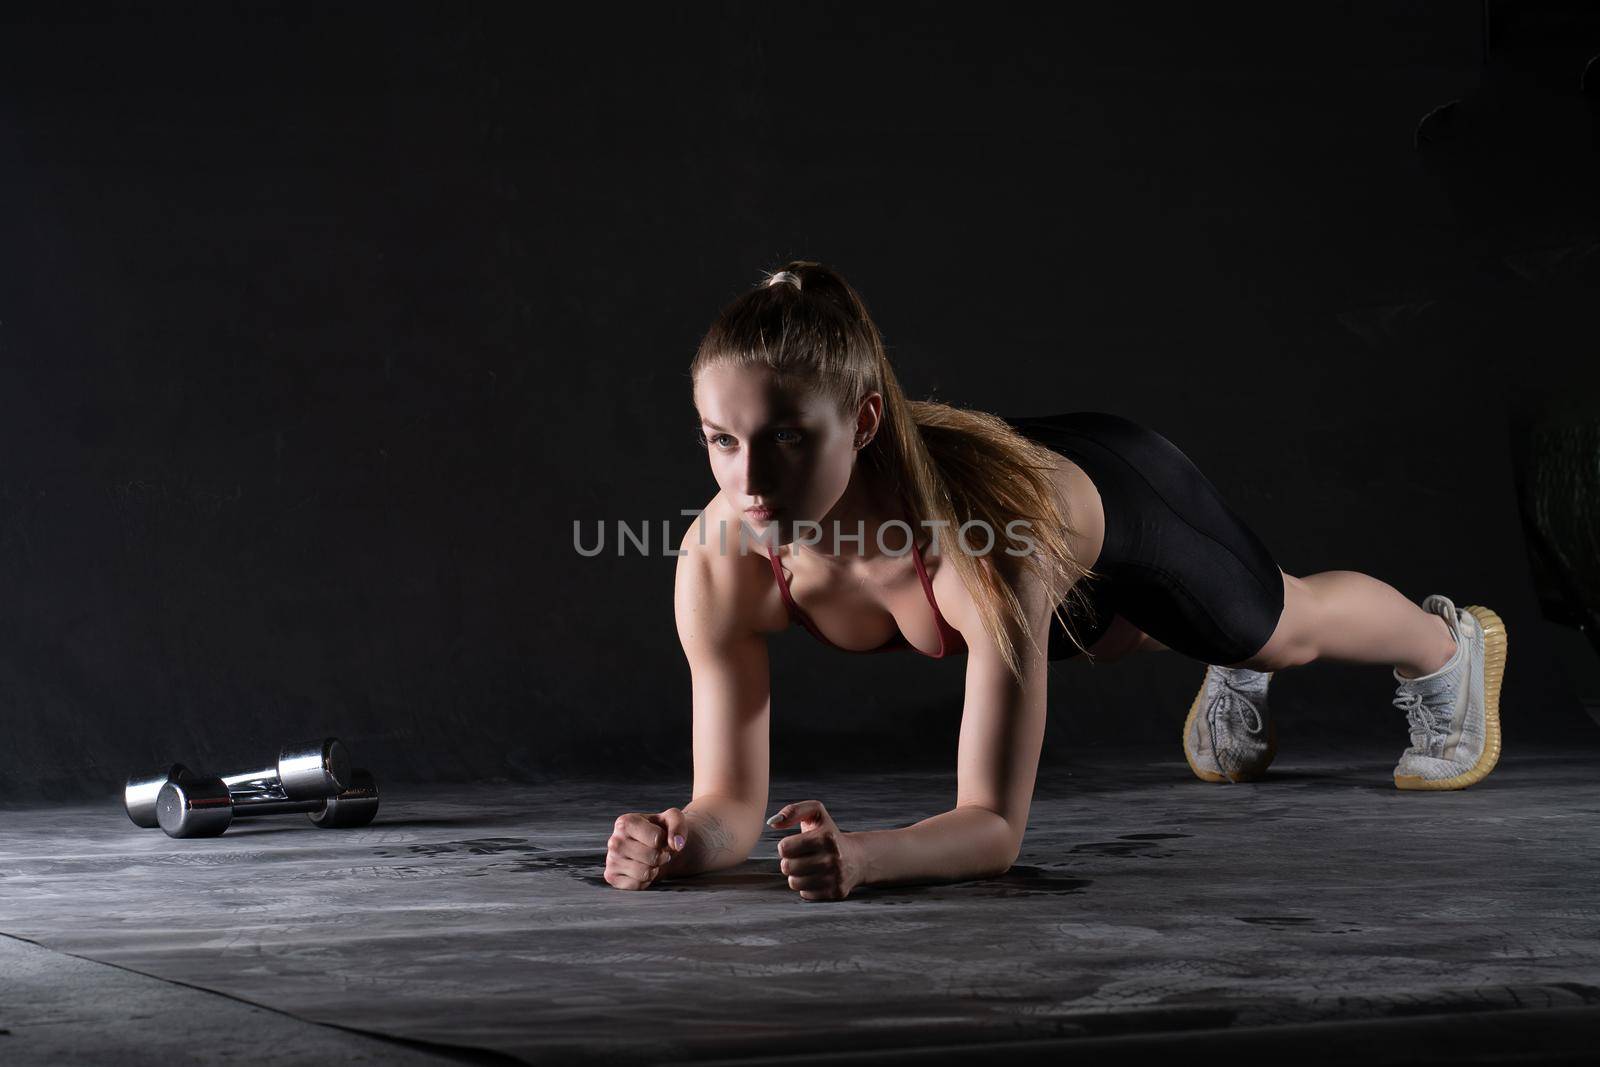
309, 770
190, 806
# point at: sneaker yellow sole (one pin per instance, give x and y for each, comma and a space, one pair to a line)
1213, 776
1494, 669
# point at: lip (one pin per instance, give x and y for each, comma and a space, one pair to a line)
762, 514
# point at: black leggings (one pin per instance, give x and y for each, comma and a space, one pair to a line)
1177, 562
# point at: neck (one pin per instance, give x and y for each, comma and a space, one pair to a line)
864, 507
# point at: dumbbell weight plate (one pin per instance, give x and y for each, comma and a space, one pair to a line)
314, 769
356, 806
139, 795
194, 807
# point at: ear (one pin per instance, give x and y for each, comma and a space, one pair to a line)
869, 417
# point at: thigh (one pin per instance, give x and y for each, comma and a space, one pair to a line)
1211, 614
1191, 573
1177, 561
1089, 627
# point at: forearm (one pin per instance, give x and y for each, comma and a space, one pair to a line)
722, 832
953, 846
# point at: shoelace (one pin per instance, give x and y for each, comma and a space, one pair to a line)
1238, 705
1235, 704
1429, 724
1429, 719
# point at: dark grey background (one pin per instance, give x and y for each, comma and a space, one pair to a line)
320, 326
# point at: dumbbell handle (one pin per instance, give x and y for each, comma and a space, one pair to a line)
256, 784
245, 805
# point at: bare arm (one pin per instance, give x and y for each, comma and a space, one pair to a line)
1002, 733
954, 846
732, 689
718, 837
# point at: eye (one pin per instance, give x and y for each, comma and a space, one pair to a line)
705, 441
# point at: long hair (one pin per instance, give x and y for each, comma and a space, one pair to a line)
808, 326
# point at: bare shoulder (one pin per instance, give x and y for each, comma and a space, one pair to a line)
721, 593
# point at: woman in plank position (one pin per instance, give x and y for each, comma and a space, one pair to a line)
881, 523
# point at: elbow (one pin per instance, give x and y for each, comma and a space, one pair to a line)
1004, 843
1009, 854
1006, 864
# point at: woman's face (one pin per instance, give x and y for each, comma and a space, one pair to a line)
788, 449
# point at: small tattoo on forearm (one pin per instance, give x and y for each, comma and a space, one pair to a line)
714, 838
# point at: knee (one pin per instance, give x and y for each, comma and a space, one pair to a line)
1120, 640
1289, 646
1278, 658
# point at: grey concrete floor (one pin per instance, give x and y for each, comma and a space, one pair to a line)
1315, 913
56, 1008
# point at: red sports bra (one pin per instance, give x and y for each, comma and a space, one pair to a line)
950, 639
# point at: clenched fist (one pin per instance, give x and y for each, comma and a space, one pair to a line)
822, 861
641, 844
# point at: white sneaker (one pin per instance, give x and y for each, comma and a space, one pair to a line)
1454, 713
1228, 736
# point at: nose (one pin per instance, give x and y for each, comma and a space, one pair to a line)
756, 473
